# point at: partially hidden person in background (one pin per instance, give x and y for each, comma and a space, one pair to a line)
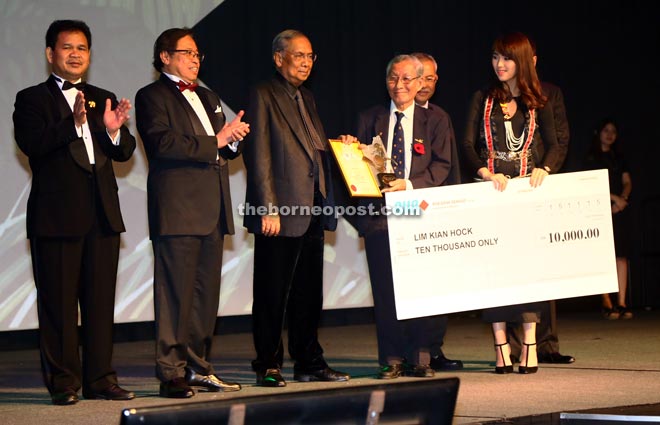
429, 80
71, 132
606, 152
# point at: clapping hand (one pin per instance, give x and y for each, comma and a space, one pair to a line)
113, 119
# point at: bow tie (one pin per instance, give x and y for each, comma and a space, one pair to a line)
68, 85
183, 86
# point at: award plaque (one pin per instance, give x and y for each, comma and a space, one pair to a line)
376, 155
356, 170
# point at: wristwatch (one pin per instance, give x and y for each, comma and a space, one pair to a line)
546, 168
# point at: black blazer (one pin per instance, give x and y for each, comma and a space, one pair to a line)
432, 168
187, 188
60, 202
278, 159
550, 143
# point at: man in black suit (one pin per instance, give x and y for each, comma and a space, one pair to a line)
71, 135
429, 80
419, 143
546, 330
188, 144
288, 183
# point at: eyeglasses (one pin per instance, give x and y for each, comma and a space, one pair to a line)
299, 57
190, 53
430, 79
394, 80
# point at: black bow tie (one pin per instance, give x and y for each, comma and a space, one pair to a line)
68, 85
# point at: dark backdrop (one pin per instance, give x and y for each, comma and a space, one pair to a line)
601, 53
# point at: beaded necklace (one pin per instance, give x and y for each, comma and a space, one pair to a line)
530, 128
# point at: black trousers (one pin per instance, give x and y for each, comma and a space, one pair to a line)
288, 284
69, 272
187, 272
398, 340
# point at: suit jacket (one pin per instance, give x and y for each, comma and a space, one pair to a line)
61, 200
455, 171
550, 143
432, 168
279, 160
187, 188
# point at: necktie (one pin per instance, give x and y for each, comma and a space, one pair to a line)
315, 140
66, 85
183, 86
398, 148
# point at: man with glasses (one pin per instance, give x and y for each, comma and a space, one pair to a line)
429, 80
188, 143
419, 143
289, 184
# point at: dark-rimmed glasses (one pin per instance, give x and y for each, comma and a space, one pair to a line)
190, 53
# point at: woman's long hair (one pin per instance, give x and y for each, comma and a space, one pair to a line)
517, 47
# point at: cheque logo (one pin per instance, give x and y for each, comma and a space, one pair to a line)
409, 207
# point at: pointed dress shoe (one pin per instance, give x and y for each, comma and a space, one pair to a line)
555, 357
270, 378
111, 392
441, 362
326, 374
390, 371
66, 397
210, 382
176, 388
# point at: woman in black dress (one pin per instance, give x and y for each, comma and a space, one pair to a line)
605, 153
508, 135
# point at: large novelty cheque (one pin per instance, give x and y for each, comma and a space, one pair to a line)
468, 247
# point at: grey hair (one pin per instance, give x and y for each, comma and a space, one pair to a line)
403, 58
426, 56
282, 40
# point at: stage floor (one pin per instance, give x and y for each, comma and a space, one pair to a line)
618, 365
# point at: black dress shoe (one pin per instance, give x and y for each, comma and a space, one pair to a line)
419, 371
65, 398
390, 371
270, 378
326, 374
176, 388
210, 382
112, 392
555, 357
443, 363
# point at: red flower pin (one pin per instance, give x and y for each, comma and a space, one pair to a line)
418, 147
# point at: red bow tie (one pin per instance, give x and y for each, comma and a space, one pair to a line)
183, 86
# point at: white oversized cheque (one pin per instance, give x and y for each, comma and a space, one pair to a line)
473, 247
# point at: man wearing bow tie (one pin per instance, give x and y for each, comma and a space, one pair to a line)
71, 133
188, 144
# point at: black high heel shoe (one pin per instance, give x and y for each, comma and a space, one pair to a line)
506, 368
527, 369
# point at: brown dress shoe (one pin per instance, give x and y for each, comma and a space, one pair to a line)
210, 382
270, 378
66, 397
176, 388
112, 392
391, 371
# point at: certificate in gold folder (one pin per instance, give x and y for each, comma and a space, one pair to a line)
358, 177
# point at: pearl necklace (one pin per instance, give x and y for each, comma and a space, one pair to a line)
513, 143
